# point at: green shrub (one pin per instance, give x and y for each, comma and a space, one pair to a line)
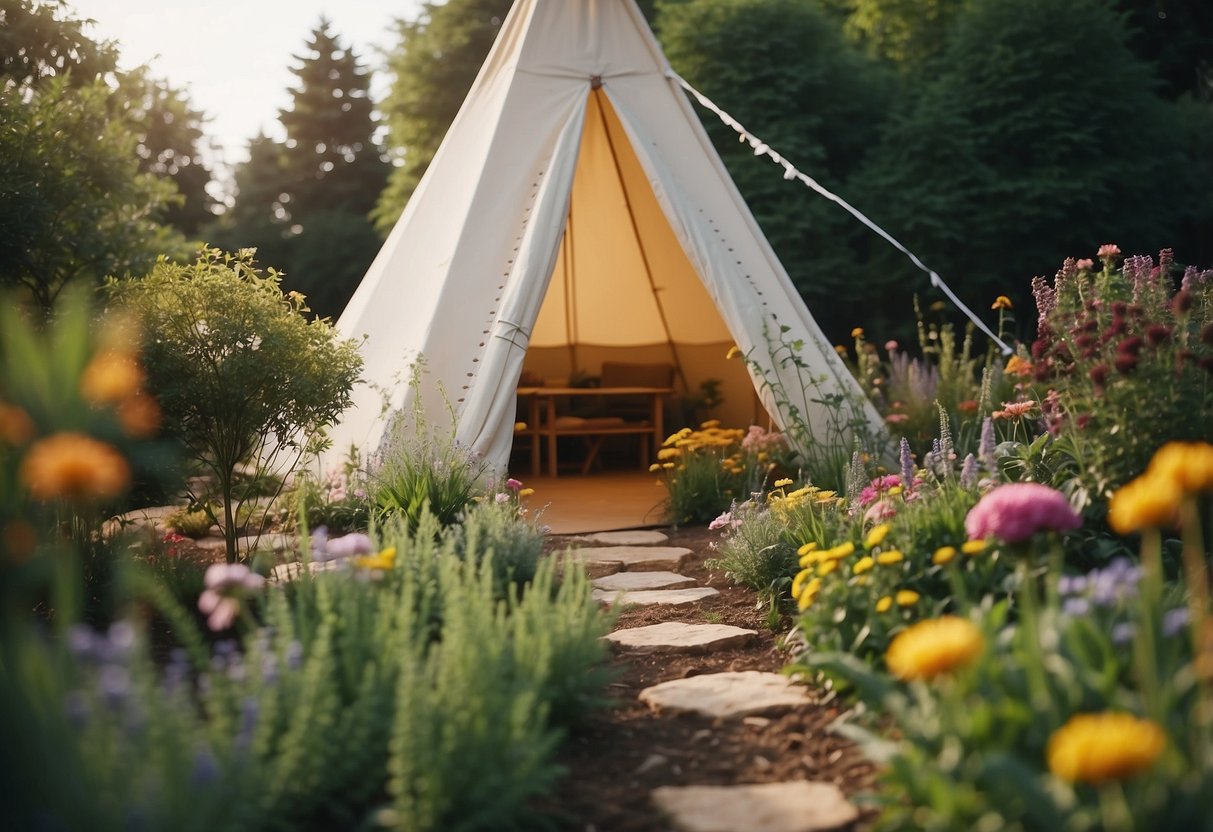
494, 528
190, 523
756, 554
241, 376
408, 675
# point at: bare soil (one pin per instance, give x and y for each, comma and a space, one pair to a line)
618, 755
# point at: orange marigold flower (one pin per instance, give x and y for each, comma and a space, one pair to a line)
933, 647
1002, 302
1016, 366
111, 377
16, 427
1098, 747
73, 466
139, 416
857, 332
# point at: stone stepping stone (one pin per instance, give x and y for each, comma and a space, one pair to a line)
290, 571
635, 558
799, 806
728, 695
635, 537
644, 580
677, 637
669, 597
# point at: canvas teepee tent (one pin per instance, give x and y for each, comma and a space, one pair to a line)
576, 212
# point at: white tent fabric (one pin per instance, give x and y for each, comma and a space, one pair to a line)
576, 212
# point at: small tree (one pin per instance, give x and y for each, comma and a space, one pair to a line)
241, 376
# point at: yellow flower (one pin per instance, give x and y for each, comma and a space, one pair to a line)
1189, 465
826, 568
943, 555
862, 565
656, 466
842, 550
1095, 748
857, 332
798, 582
877, 535
733, 352
906, 597
1002, 302
383, 561
526, 492
806, 600
667, 465
1147, 502
932, 647
890, 557
73, 466
520, 426
669, 453
781, 483
884, 604
894, 491
973, 547
806, 548
110, 377
710, 424
16, 427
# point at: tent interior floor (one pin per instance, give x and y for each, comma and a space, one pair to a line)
597, 502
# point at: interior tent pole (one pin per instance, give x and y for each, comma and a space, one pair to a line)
570, 298
790, 171
648, 269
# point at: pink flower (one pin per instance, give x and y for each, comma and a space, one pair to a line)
897, 418
1015, 512
502, 497
879, 512
1014, 410
513, 484
226, 584
891, 346
1109, 250
1085, 263
723, 521
876, 489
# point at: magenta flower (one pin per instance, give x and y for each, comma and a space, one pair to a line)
513, 484
1013, 513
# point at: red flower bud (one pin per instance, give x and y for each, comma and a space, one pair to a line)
1099, 374
1130, 346
1158, 334
1126, 362
1181, 304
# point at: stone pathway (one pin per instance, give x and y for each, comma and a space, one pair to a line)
633, 568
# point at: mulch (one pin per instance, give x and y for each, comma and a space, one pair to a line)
619, 754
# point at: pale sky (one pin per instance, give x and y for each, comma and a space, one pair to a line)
233, 56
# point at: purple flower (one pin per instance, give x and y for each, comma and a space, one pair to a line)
1122, 633
1173, 621
348, 545
968, 472
1015, 512
1076, 607
907, 464
986, 445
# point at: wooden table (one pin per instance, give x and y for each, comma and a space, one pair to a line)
541, 423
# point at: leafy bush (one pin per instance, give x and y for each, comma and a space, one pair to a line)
190, 523
499, 528
756, 554
241, 376
407, 674
340, 502
1127, 361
